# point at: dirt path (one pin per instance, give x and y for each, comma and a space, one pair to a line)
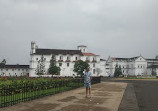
106, 96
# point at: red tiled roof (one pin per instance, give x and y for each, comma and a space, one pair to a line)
113, 58
89, 54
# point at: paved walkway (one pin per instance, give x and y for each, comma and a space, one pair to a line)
106, 96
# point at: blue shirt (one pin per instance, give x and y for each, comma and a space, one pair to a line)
87, 77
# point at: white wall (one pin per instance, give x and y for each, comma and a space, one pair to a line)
13, 72
133, 67
65, 70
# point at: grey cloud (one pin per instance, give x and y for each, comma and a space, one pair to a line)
122, 28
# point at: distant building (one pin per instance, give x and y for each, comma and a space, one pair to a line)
152, 67
14, 70
132, 66
66, 59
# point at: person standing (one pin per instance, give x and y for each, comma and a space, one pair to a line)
87, 81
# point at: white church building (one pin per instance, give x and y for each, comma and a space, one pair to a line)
135, 66
65, 60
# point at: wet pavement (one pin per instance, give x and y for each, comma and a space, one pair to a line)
145, 92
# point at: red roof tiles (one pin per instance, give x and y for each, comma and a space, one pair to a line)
89, 54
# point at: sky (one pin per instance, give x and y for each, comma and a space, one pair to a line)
116, 28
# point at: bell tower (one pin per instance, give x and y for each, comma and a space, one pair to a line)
82, 48
33, 47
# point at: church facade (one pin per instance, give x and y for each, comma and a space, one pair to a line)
135, 66
66, 59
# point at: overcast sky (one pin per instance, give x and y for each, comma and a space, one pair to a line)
117, 28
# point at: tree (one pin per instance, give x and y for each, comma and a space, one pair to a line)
41, 66
3, 62
153, 73
53, 69
156, 57
80, 66
118, 71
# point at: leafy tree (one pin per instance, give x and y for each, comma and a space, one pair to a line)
80, 66
156, 57
3, 62
41, 66
53, 69
154, 73
118, 71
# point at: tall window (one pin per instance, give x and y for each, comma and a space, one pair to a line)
60, 64
68, 58
68, 64
93, 65
37, 59
61, 58
93, 71
76, 58
94, 58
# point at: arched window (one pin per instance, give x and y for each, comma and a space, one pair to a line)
60, 57
68, 64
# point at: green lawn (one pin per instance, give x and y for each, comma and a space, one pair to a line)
27, 96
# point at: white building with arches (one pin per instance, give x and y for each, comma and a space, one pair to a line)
135, 66
65, 60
